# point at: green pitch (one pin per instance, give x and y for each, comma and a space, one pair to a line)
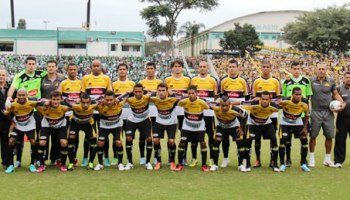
321, 183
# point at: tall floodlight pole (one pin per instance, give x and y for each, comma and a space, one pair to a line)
12, 14
88, 15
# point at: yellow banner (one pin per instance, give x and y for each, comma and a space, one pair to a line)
290, 51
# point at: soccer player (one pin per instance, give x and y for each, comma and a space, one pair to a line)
166, 120
95, 85
150, 84
207, 87
228, 125
30, 79
110, 111
23, 123
324, 91
236, 88
271, 84
53, 122
260, 124
291, 123
82, 120
193, 128
121, 86
300, 81
138, 120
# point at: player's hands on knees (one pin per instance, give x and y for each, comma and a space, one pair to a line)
303, 133
240, 132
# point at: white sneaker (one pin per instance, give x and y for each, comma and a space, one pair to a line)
225, 162
241, 168
336, 165
248, 169
149, 166
128, 166
328, 163
276, 169
142, 161
121, 167
98, 167
214, 168
312, 162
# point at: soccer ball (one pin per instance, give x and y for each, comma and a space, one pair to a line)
334, 105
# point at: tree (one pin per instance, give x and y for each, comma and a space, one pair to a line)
155, 47
323, 30
22, 24
190, 29
169, 11
241, 38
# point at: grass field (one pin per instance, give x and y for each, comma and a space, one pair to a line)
321, 183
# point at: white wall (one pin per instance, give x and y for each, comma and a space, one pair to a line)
70, 52
97, 48
36, 47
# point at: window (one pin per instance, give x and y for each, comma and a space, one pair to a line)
125, 48
114, 47
6, 46
137, 48
72, 46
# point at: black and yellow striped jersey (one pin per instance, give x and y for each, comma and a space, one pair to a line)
139, 108
53, 117
120, 87
258, 115
23, 114
292, 112
166, 113
110, 116
206, 87
82, 116
150, 84
236, 88
70, 89
272, 85
228, 119
178, 85
96, 86
193, 120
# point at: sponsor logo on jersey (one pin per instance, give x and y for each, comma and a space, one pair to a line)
96, 91
33, 93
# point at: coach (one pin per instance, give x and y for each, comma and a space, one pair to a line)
324, 91
4, 121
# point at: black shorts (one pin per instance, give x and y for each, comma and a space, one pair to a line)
88, 129
267, 131
17, 133
288, 131
192, 136
45, 132
225, 133
159, 129
144, 127
103, 133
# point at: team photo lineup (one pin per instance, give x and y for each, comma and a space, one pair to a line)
52, 108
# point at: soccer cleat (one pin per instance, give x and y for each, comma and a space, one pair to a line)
179, 167
90, 165
304, 168
225, 162
10, 169
32, 168
328, 163
248, 169
106, 162
283, 168
257, 164
149, 166
336, 165
288, 163
70, 166
241, 168
18, 164
158, 166
63, 168
312, 162
84, 163
58, 163
214, 168
184, 162
275, 169
40, 169
142, 161
114, 161
193, 162
75, 162
205, 168
121, 167
98, 167
128, 166
172, 166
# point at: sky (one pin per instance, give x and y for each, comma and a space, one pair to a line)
123, 15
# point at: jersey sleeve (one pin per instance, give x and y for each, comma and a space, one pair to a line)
182, 103
308, 89
83, 86
16, 81
109, 84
